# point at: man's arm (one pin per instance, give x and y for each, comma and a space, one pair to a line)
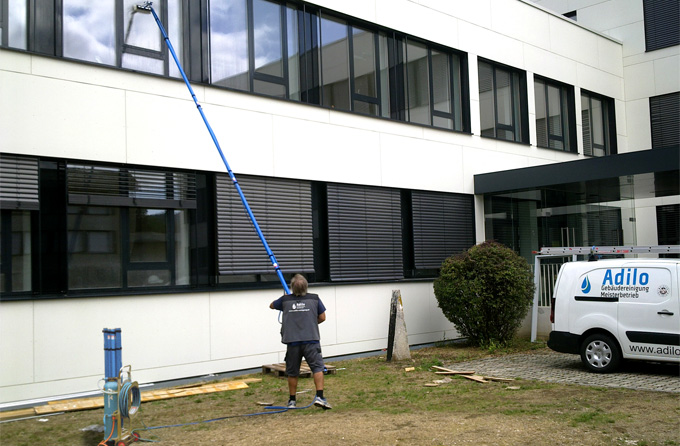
321, 318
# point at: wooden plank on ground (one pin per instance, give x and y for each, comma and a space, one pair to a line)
445, 371
479, 379
497, 379
150, 395
19, 413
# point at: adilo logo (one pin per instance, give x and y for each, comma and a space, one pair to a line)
585, 285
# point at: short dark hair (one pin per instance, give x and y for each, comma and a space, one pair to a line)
299, 285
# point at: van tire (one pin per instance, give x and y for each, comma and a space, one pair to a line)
600, 353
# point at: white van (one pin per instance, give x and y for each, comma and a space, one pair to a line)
609, 310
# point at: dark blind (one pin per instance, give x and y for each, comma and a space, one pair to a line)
364, 233
604, 228
668, 224
662, 23
116, 186
443, 225
18, 182
665, 116
283, 210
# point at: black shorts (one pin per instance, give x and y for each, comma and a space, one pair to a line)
311, 353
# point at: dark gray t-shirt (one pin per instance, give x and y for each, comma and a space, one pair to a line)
300, 317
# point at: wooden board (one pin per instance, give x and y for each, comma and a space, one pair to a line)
305, 372
150, 395
445, 371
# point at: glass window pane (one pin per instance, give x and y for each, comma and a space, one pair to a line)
365, 81
444, 123
554, 111
457, 93
89, 33
175, 33
137, 27
16, 25
267, 32
269, 88
541, 116
229, 44
142, 63
293, 54
366, 108
148, 235
182, 271
145, 278
441, 81
384, 76
335, 63
486, 101
20, 222
504, 97
417, 83
585, 120
93, 237
597, 122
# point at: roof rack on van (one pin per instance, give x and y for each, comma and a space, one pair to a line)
582, 250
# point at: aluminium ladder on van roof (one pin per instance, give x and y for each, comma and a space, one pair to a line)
574, 251
582, 250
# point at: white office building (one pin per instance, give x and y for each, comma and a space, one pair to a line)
372, 139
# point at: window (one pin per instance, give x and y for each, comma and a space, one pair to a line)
599, 128
13, 24
443, 225
128, 228
364, 233
668, 226
432, 86
570, 15
662, 23
115, 33
665, 120
19, 201
502, 102
283, 210
369, 68
254, 47
555, 120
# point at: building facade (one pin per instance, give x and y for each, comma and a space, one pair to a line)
357, 130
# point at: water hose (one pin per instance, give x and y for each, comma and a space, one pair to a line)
146, 7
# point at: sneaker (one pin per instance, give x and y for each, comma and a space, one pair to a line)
322, 403
291, 404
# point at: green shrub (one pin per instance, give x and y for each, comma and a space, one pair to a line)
486, 292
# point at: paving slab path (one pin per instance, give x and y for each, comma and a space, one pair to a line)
567, 369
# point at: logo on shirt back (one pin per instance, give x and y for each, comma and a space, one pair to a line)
299, 306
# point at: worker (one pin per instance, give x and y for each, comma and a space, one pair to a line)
302, 314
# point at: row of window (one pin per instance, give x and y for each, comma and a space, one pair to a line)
70, 228
300, 52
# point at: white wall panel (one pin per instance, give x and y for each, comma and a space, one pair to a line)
550, 65
51, 117
570, 41
16, 344
667, 75
639, 80
522, 22
421, 164
638, 124
491, 45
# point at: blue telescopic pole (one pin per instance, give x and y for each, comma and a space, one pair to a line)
147, 7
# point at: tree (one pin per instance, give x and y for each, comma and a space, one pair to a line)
486, 292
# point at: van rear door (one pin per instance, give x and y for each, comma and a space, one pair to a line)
648, 310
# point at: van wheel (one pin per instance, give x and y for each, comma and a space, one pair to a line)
600, 353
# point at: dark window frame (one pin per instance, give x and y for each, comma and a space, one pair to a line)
569, 140
608, 121
520, 114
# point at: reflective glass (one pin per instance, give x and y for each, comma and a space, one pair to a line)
93, 237
142, 63
363, 43
229, 44
293, 54
89, 32
441, 81
20, 222
486, 101
504, 97
267, 33
417, 83
16, 25
335, 63
384, 76
148, 278
148, 235
139, 29
182, 265
541, 115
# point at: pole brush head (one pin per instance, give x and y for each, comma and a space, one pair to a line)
144, 7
